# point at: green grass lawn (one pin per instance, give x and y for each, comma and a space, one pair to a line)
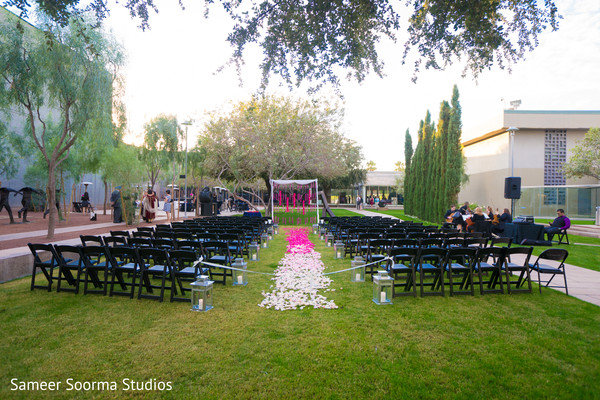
481, 347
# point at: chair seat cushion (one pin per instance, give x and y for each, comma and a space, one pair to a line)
187, 271
457, 267
400, 267
546, 269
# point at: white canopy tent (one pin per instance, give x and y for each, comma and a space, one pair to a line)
286, 182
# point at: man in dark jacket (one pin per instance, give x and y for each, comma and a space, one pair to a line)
560, 223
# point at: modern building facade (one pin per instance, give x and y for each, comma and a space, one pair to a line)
542, 142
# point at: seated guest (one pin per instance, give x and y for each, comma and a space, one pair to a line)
477, 216
504, 218
560, 223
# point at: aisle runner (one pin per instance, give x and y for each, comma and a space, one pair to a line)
298, 277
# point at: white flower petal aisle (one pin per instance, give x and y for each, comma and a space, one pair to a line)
298, 277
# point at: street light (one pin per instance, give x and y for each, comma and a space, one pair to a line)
186, 123
512, 131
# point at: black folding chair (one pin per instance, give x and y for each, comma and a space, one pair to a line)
557, 256
124, 263
143, 234
40, 253
460, 261
185, 269
154, 263
95, 260
402, 268
430, 260
218, 253
493, 269
139, 242
522, 269
69, 261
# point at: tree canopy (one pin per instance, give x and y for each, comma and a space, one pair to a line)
59, 80
585, 157
276, 138
161, 144
311, 41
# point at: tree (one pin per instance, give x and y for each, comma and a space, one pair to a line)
59, 80
161, 142
273, 138
8, 155
436, 173
408, 149
585, 157
399, 166
371, 166
311, 41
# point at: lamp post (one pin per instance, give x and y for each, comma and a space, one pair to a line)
512, 131
186, 123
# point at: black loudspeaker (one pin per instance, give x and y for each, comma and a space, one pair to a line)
512, 187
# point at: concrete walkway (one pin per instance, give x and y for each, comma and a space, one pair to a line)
583, 283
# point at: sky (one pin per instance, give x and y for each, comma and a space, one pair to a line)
172, 69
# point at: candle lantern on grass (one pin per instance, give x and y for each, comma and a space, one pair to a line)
358, 273
202, 297
264, 240
240, 278
322, 233
338, 249
276, 229
315, 229
270, 232
253, 251
382, 288
330, 238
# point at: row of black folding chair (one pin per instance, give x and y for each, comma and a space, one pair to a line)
75, 264
461, 262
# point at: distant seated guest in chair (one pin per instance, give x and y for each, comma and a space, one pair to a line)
503, 218
560, 224
477, 216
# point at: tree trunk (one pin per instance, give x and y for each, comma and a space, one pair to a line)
105, 195
51, 194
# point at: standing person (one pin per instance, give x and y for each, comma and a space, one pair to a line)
115, 202
25, 201
142, 214
150, 204
85, 202
167, 205
4, 203
358, 200
560, 223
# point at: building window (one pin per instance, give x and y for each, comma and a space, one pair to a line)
555, 150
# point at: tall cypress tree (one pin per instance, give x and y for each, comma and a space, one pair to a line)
454, 163
441, 155
408, 149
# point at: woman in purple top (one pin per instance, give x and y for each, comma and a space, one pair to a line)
560, 223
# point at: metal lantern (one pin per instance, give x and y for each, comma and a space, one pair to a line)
253, 251
240, 277
357, 274
382, 288
330, 239
270, 231
202, 298
276, 229
338, 249
322, 234
264, 240
315, 229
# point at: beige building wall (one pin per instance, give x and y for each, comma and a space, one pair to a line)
488, 157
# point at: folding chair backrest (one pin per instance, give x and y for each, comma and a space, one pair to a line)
92, 252
139, 242
427, 242
120, 233
167, 244
113, 241
183, 258
142, 234
157, 256
475, 242
501, 240
89, 239
406, 243
66, 252
38, 248
554, 255
122, 254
